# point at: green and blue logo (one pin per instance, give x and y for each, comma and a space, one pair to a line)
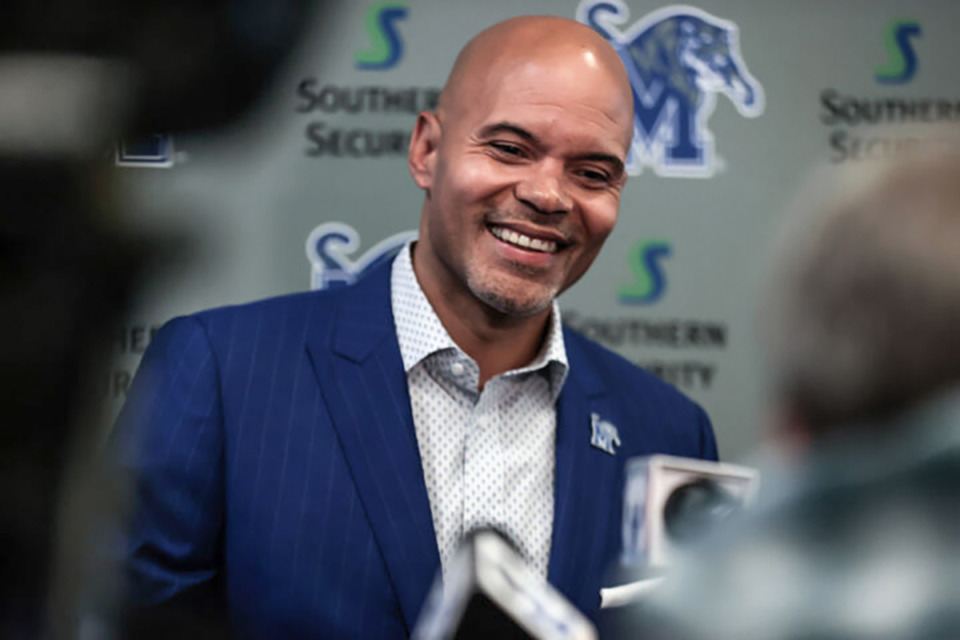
386, 46
901, 63
649, 279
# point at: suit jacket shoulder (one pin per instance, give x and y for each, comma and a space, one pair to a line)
330, 318
317, 307
272, 458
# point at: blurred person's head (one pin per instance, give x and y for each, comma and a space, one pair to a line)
861, 324
522, 165
862, 315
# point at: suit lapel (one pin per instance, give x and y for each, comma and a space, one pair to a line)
363, 383
584, 486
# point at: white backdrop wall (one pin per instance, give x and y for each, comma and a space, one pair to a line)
790, 84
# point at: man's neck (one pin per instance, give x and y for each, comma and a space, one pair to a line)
496, 341
495, 346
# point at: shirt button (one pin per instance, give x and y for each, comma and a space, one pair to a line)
457, 369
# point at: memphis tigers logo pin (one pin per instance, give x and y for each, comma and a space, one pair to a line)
330, 247
678, 58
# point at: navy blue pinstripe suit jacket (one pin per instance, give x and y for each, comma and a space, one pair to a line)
275, 456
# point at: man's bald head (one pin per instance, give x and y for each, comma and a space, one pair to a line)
522, 166
551, 42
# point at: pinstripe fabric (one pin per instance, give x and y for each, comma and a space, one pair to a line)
274, 457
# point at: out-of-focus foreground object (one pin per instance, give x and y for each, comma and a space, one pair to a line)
490, 592
862, 320
672, 502
77, 76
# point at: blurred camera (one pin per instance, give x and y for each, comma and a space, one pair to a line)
670, 502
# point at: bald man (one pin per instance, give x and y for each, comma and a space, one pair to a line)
313, 460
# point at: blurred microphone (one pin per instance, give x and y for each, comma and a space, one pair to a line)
671, 502
490, 592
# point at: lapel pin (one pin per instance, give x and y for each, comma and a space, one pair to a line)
603, 435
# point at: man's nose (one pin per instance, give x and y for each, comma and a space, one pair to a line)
544, 189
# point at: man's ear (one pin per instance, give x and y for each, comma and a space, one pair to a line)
422, 156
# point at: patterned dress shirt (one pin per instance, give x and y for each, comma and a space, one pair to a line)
488, 456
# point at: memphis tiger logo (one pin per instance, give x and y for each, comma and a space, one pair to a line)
678, 58
330, 247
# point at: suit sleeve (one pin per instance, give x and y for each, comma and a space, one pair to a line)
169, 445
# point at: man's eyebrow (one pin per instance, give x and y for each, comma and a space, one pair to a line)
507, 127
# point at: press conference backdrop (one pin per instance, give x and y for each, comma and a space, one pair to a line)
736, 101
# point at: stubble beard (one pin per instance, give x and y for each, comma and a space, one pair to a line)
508, 298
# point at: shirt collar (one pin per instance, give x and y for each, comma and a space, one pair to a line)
421, 334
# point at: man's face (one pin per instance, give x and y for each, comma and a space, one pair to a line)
525, 184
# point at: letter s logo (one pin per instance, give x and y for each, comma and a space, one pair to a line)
649, 280
902, 61
386, 47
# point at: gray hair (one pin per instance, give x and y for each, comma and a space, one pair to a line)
861, 316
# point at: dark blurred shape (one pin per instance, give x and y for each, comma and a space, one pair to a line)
64, 277
198, 64
696, 507
77, 76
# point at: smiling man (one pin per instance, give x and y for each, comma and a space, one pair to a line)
314, 460
522, 166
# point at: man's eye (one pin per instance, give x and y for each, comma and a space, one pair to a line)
595, 177
507, 148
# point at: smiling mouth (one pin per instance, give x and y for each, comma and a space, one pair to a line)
539, 245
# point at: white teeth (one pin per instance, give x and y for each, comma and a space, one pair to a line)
512, 237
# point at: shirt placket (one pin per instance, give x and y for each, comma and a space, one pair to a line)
483, 491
